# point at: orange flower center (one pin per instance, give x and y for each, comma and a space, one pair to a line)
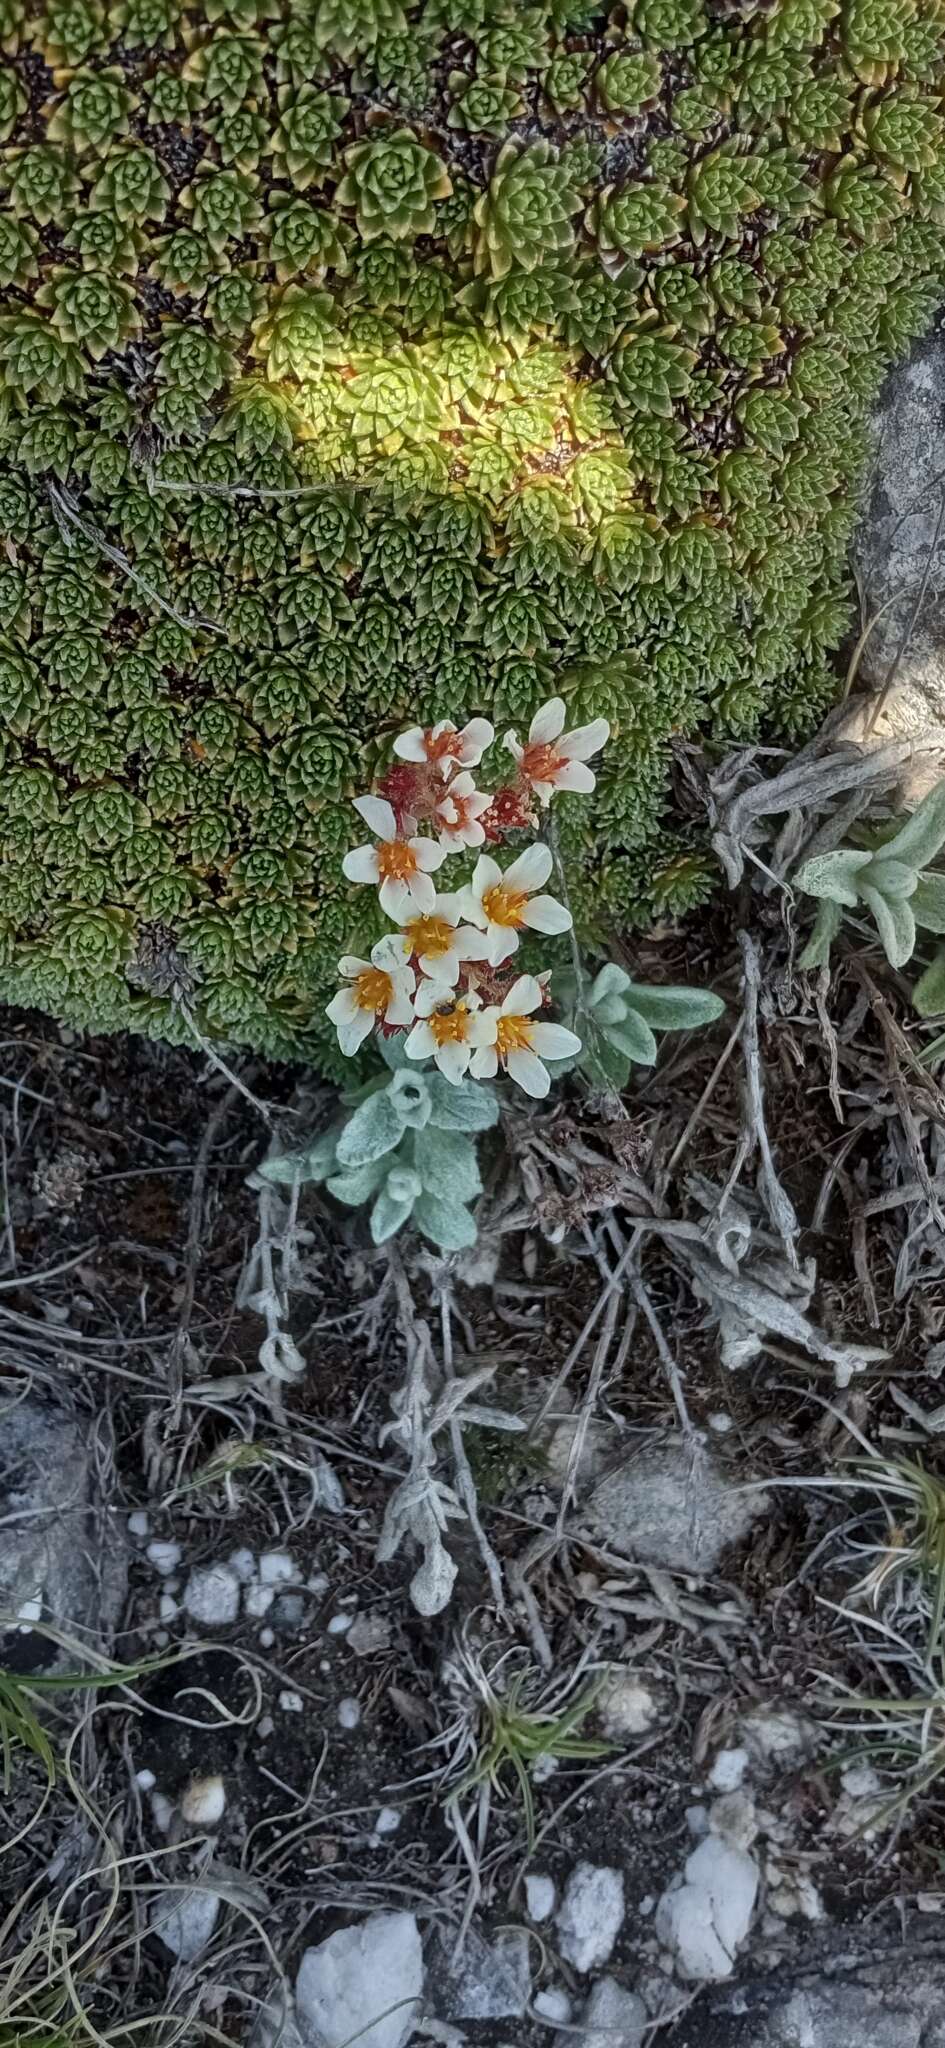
449, 1026
396, 860
447, 746
433, 935
505, 906
541, 763
514, 1034
373, 989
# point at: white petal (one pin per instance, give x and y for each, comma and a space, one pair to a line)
448, 905
361, 864
513, 745
574, 775
400, 1008
483, 1027
503, 942
531, 869
392, 952
544, 791
395, 899
526, 1069
349, 965
344, 1007
473, 834
421, 1043
477, 803
452, 1060
351, 1036
441, 967
422, 892
554, 1041
470, 945
428, 855
409, 745
470, 906
476, 737
429, 996
378, 815
484, 1062
486, 874
585, 740
547, 723
461, 785
523, 996
545, 914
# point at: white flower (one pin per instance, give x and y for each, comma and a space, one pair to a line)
458, 812
443, 746
379, 988
445, 1030
510, 1034
441, 944
402, 863
499, 903
553, 759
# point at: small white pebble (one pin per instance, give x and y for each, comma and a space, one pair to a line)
145, 1780
139, 1524
243, 1562
165, 1557
324, 1663
728, 1770
553, 2005
539, 1896
291, 1702
265, 1727
168, 1607
349, 1713
340, 1624
647, 1906
277, 1568
204, 1802
388, 1821
212, 1595
720, 1423
543, 1768
30, 1611
266, 1638
258, 1599
318, 1582
161, 1638
697, 1821
162, 1810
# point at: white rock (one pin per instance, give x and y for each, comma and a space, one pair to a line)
168, 1608
244, 1565
184, 1921
778, 1738
626, 1705
539, 1896
165, 1557
340, 1624
204, 1802
795, 1897
145, 1781
28, 1612
720, 1422
139, 1525
491, 1980
704, 1915
258, 1599
277, 1568
291, 1702
388, 1821
162, 1811
364, 1982
317, 1582
613, 2017
349, 1713
728, 1770
266, 1638
590, 1916
861, 1781
212, 1595
734, 1819
553, 2005
666, 1506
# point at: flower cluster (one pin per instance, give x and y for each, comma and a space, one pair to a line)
444, 976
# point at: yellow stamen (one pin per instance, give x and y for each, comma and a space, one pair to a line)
396, 860
432, 935
373, 989
541, 763
505, 906
449, 1026
513, 1034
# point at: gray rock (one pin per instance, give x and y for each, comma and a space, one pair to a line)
590, 1916
62, 1558
212, 1595
613, 2017
491, 1981
890, 2006
673, 1507
365, 1982
184, 1921
898, 527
